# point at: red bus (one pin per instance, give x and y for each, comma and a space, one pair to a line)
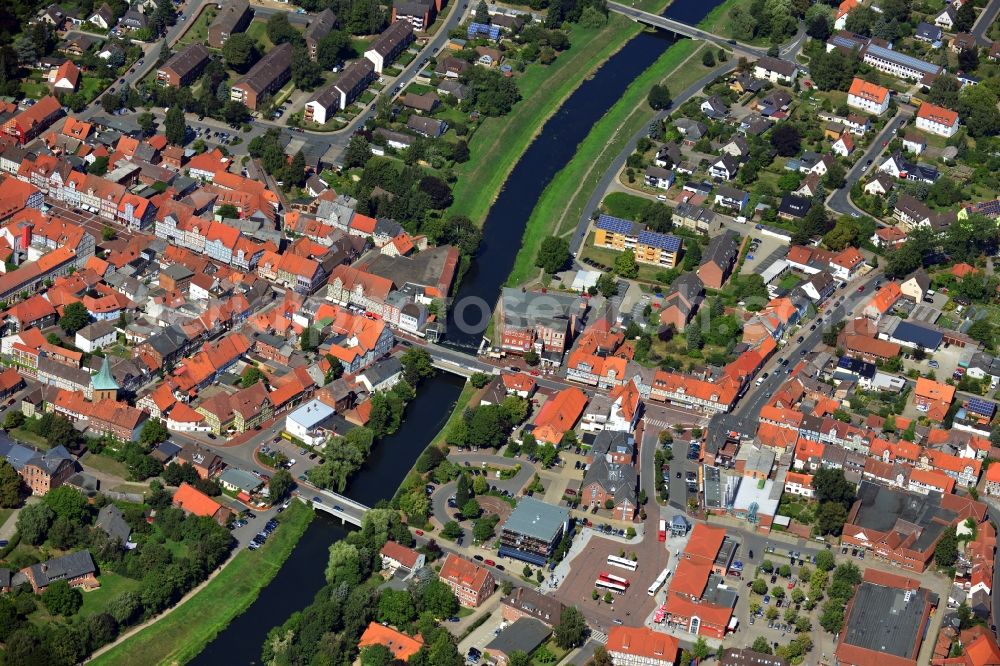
662, 534
608, 583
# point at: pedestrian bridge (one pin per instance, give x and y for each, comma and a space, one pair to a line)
348, 510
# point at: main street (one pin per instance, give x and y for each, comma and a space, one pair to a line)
743, 419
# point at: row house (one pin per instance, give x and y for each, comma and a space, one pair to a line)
244, 410
301, 274
965, 471
136, 212
351, 286
709, 397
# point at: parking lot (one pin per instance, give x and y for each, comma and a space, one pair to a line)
299, 460
588, 559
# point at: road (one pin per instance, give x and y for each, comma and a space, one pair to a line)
743, 419
983, 23
840, 200
693, 32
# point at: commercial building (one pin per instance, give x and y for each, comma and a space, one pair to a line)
183, 67
266, 77
885, 622
471, 583
306, 422
639, 646
905, 527
543, 322
233, 17
532, 531
524, 635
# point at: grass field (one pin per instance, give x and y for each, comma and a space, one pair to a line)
180, 636
559, 208
499, 143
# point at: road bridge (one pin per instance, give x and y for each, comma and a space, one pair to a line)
348, 510
680, 28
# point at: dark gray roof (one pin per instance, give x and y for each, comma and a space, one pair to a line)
63, 568
721, 250
783, 67
268, 69
534, 518
169, 341
111, 520
616, 479
97, 330
541, 607
614, 441
5, 576
354, 74
794, 206
230, 15
382, 370
386, 42
185, 61
19, 456
883, 507
748, 657
525, 635
321, 26
524, 308
424, 268
886, 619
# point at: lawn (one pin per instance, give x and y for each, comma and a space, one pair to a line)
553, 649
22, 435
625, 206
105, 464
5, 514
34, 89
112, 585
500, 142
181, 635
90, 86
460, 405
562, 203
258, 31
198, 31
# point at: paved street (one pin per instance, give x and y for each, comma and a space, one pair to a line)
840, 200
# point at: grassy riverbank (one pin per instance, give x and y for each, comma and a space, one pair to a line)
180, 635
499, 143
559, 208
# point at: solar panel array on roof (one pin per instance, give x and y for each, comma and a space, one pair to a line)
846, 42
903, 59
491, 31
980, 406
662, 241
614, 224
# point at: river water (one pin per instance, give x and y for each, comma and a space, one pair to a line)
302, 575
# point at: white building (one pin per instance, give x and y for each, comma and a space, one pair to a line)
937, 120
304, 422
96, 335
868, 97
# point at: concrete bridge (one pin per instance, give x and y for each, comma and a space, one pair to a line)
684, 29
348, 510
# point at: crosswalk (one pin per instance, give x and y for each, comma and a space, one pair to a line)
599, 637
658, 423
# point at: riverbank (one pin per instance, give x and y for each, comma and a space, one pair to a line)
499, 143
181, 633
559, 208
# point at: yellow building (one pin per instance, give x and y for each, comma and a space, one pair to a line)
650, 247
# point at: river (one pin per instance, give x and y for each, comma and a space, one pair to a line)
545, 157
302, 575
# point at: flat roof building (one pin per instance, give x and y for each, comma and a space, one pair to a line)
533, 531
885, 621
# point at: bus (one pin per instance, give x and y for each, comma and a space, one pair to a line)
662, 534
608, 583
617, 579
658, 583
622, 562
